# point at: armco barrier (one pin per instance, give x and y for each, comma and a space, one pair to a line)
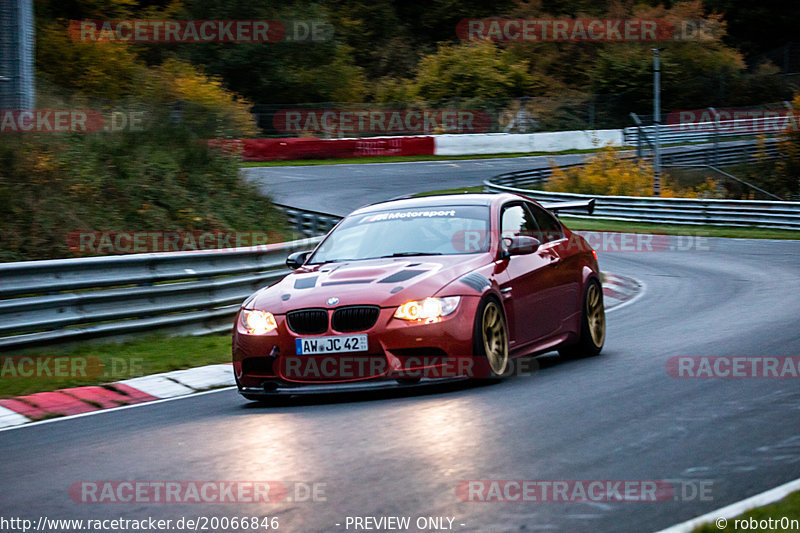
677, 132
309, 223
730, 153
766, 214
44, 302
778, 215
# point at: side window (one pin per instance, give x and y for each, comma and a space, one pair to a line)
549, 225
516, 220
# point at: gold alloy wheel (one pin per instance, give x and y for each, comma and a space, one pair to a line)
495, 344
595, 314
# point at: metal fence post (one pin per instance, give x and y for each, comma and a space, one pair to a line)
715, 136
638, 122
657, 122
17, 76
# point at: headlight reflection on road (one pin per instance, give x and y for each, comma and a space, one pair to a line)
443, 436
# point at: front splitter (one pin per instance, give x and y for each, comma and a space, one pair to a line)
255, 393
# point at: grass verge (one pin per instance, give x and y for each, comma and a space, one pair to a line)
787, 508
602, 224
94, 364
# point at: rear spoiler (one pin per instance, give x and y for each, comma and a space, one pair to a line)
577, 205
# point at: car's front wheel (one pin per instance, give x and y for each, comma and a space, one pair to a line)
491, 337
593, 324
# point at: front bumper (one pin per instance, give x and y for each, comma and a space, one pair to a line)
396, 350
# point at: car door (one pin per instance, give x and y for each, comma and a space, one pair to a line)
527, 288
565, 274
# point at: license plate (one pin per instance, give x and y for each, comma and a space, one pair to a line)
337, 344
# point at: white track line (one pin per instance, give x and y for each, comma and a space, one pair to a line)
735, 509
636, 296
158, 385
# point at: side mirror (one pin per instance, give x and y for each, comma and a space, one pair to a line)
296, 260
520, 245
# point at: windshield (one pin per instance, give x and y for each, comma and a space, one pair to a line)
407, 232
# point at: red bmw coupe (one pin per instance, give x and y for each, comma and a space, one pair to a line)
429, 288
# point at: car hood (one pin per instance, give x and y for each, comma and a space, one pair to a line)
382, 282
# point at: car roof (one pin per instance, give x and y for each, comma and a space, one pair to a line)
443, 200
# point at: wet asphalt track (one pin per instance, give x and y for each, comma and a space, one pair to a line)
618, 416
339, 189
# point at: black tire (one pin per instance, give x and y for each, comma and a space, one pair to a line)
593, 324
490, 341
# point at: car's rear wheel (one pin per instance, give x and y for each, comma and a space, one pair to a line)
491, 337
593, 324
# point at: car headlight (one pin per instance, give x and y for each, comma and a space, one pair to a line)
428, 310
258, 322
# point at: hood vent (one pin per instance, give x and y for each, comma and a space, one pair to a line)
403, 275
305, 283
346, 282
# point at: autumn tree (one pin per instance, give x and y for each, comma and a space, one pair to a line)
470, 70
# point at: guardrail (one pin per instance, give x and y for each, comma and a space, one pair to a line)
309, 223
767, 214
777, 215
44, 302
706, 131
731, 153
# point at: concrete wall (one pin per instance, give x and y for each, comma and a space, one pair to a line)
499, 143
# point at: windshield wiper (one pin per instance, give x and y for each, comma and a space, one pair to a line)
331, 261
408, 254
396, 254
